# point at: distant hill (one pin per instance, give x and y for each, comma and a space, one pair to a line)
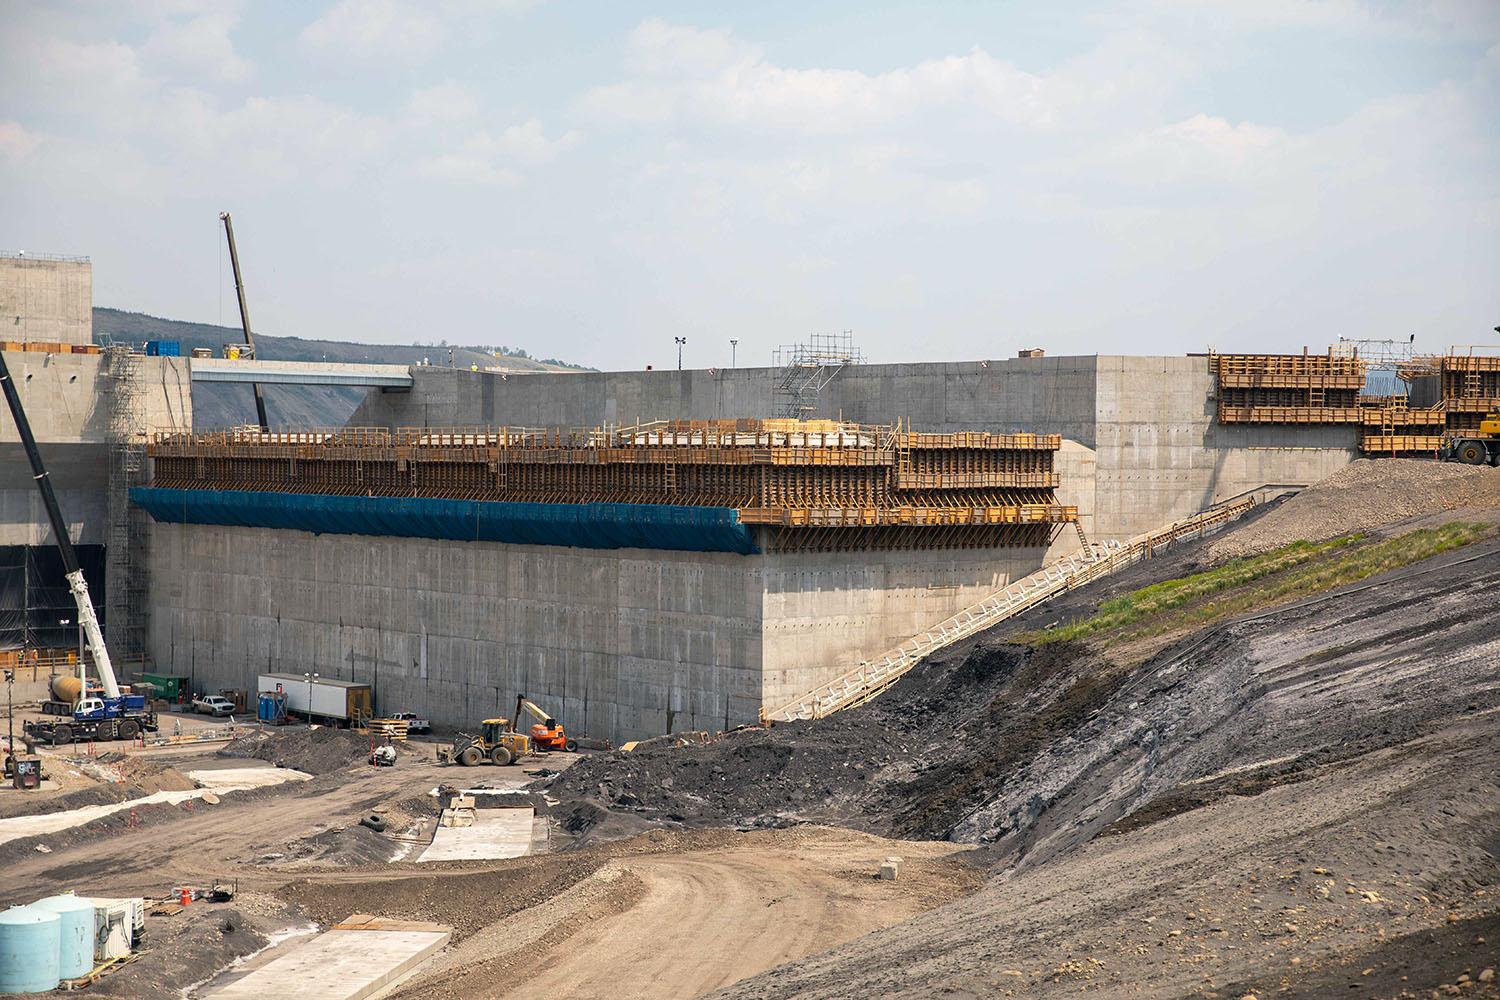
294, 406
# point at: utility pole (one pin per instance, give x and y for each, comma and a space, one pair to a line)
734, 347
239, 290
10, 715
680, 342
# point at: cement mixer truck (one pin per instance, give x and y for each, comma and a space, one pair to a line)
109, 714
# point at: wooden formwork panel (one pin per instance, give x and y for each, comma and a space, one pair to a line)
779, 473
1399, 444
1289, 415
1290, 371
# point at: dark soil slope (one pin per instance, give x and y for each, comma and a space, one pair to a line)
1037, 751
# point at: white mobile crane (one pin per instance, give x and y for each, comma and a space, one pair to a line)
115, 715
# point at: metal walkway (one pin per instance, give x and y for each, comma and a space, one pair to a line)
300, 373
871, 677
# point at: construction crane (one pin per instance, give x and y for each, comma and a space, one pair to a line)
115, 714
239, 291
546, 732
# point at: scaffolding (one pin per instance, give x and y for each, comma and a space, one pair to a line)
803, 371
1443, 394
126, 540
820, 484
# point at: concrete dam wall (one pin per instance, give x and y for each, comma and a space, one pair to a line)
626, 643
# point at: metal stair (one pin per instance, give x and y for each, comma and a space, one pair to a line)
873, 676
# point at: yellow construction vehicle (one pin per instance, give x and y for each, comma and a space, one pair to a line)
496, 742
1480, 446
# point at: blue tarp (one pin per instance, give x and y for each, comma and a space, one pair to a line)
583, 525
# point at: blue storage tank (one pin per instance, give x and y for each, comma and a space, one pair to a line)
28, 950
75, 933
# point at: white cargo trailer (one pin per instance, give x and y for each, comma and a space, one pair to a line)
322, 698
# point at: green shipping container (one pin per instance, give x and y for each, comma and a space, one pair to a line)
168, 686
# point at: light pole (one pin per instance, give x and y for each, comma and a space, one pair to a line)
311, 680
734, 347
10, 716
680, 342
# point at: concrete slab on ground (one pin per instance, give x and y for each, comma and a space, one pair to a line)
496, 833
341, 964
229, 779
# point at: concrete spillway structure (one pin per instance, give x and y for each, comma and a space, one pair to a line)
638, 580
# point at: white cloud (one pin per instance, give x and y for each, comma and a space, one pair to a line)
684, 73
445, 102
15, 142
407, 31
375, 29
1200, 148
200, 45
497, 159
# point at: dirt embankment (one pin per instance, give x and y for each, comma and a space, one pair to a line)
1364, 495
1035, 751
1379, 879
311, 751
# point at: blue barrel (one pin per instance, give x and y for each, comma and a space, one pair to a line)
28, 950
75, 933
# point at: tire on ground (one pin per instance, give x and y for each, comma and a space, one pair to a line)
1472, 453
374, 821
501, 756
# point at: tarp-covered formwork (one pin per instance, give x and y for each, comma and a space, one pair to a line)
582, 525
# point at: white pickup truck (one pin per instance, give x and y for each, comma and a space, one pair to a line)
413, 724
212, 704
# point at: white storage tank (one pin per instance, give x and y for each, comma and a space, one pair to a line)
28, 950
75, 933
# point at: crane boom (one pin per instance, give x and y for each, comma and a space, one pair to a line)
86, 617
239, 291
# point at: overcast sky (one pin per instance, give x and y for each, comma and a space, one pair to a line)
950, 180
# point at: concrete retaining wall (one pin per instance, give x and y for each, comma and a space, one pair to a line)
621, 643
